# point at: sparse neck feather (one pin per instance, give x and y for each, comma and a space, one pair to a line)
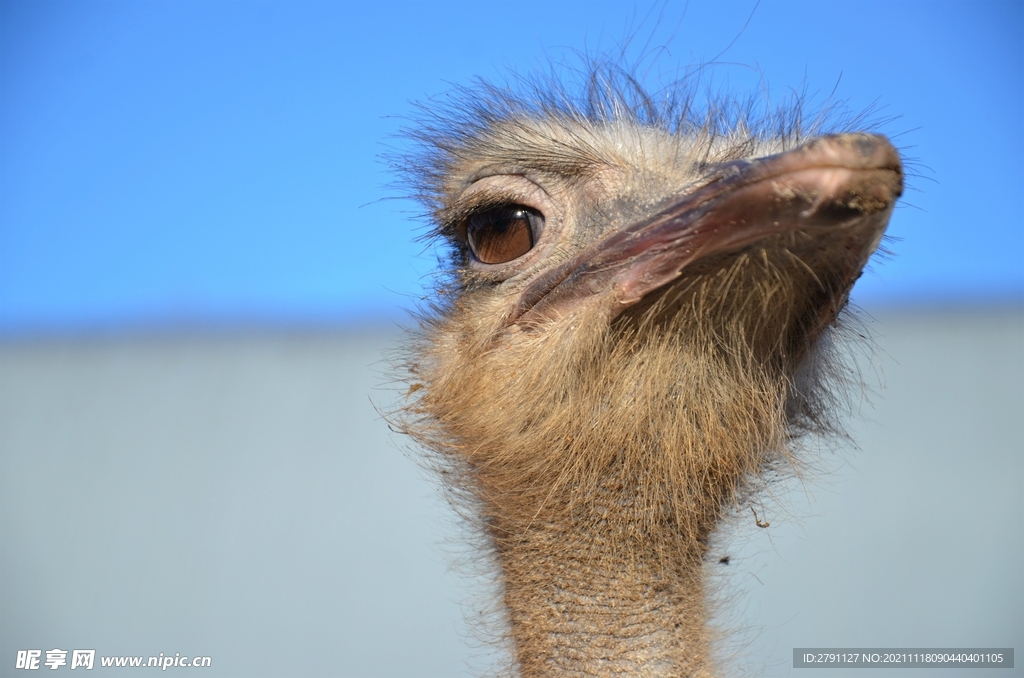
598, 464
608, 599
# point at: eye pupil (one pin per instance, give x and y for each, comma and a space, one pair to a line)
501, 234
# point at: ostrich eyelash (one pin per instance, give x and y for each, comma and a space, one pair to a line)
453, 220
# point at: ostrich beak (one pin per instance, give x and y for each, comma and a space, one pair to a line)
848, 182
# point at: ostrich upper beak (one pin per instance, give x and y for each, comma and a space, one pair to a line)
848, 181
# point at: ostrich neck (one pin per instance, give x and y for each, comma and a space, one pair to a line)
608, 593
600, 467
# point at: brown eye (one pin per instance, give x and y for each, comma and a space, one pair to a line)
502, 234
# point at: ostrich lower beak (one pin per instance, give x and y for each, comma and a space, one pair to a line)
849, 182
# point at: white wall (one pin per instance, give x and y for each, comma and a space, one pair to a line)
238, 496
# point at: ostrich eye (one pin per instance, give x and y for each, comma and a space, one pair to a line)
501, 234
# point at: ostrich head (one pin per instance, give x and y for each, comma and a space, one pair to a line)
631, 329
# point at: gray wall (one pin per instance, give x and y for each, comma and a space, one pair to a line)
238, 496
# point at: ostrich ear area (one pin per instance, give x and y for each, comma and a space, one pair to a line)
848, 181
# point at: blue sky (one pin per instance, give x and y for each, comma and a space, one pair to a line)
207, 161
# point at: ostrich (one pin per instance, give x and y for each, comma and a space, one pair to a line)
635, 325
